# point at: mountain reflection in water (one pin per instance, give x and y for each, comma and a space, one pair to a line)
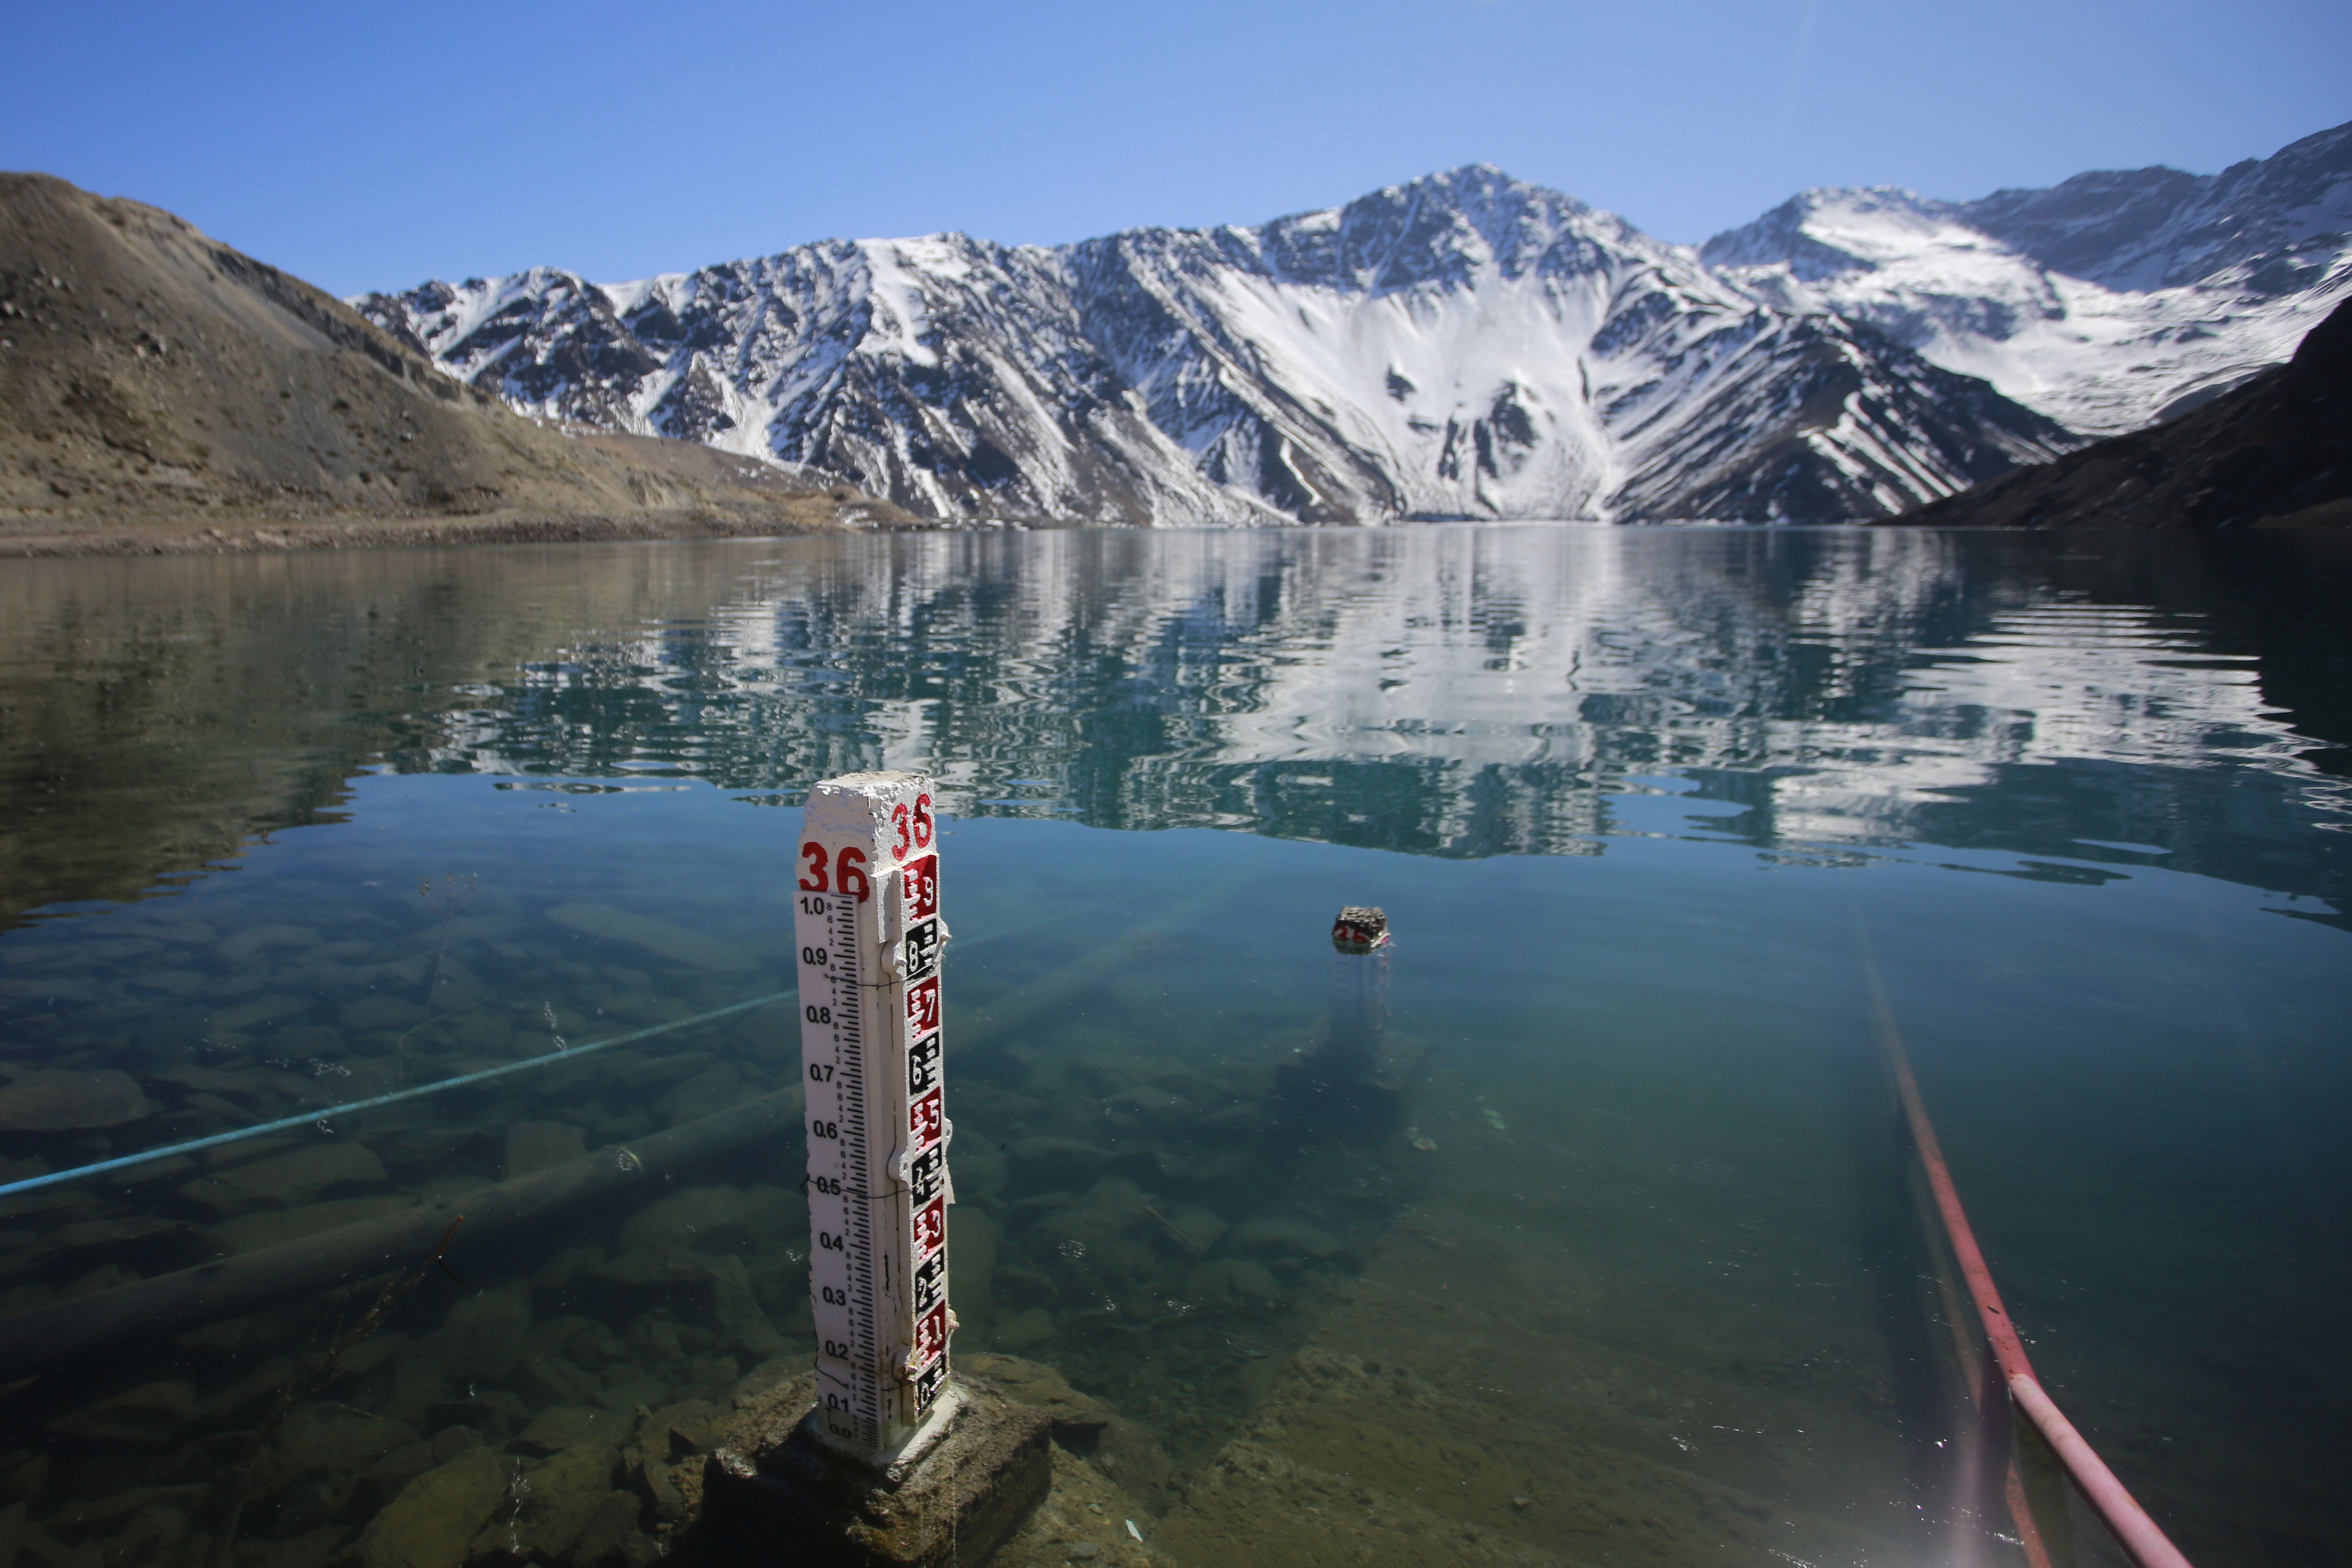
1435, 690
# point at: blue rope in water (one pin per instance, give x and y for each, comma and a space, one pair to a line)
313, 1118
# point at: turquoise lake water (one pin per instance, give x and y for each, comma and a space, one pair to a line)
1611, 1257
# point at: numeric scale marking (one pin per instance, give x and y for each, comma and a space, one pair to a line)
866, 920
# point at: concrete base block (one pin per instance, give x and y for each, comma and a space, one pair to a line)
782, 1498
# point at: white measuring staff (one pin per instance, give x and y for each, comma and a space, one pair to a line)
866, 918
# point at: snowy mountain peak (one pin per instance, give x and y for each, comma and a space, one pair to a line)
2107, 301
1464, 344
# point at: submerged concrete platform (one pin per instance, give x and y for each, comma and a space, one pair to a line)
778, 1496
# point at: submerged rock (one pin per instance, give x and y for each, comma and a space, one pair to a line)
740, 1320
1147, 1106
1113, 1209
244, 946
563, 1494
148, 1414
1078, 1418
54, 1101
1282, 1237
1054, 1162
656, 936
434, 1521
662, 1458
485, 1335
212, 1079
569, 1426
269, 1227
971, 1262
699, 1219
1193, 1227
558, 1381
289, 1178
318, 1437
535, 1145
1025, 1330
710, 1090
381, 1012
1232, 1278
610, 1538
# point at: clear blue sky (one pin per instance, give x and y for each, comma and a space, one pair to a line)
371, 147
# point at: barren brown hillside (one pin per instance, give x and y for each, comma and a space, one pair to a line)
160, 389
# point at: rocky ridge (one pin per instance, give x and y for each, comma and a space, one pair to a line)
1465, 345
162, 389
2271, 453
2107, 302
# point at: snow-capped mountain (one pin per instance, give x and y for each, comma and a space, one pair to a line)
1464, 345
2106, 302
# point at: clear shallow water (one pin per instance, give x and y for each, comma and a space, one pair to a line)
1644, 807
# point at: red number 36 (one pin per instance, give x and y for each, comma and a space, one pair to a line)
848, 872
915, 832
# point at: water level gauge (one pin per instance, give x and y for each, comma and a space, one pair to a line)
867, 918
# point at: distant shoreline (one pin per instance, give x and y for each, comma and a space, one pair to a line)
205, 534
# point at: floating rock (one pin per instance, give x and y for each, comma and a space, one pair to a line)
656, 936
148, 1414
1231, 1278
1194, 1229
1279, 1236
288, 1179
247, 946
54, 1101
712, 1090
381, 1012
569, 1426
433, 1522
485, 1334
268, 1227
535, 1145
